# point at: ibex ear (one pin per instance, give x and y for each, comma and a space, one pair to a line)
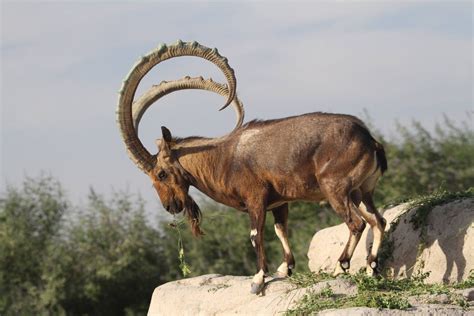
164, 143
166, 134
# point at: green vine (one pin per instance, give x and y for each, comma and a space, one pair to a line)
183, 266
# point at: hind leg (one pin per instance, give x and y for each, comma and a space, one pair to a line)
341, 201
281, 229
356, 227
377, 223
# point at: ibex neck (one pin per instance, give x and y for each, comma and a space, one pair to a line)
205, 160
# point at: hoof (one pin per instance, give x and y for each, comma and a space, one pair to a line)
339, 270
372, 269
290, 271
256, 288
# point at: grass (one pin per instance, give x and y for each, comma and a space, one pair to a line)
306, 279
375, 292
469, 283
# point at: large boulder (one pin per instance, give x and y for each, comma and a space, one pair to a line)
442, 246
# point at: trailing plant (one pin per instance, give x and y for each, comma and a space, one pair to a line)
374, 292
426, 203
183, 266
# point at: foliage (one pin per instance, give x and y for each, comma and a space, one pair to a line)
307, 279
426, 203
104, 262
375, 292
112, 257
421, 161
30, 225
469, 283
177, 225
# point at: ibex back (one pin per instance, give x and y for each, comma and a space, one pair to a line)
260, 166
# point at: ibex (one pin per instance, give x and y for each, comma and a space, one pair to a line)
260, 166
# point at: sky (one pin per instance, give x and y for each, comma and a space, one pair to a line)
62, 64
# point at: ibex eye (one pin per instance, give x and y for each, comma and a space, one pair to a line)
162, 175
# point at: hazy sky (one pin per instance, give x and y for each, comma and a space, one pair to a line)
62, 64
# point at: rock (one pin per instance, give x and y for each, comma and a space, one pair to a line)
432, 309
338, 287
216, 294
446, 249
468, 294
429, 299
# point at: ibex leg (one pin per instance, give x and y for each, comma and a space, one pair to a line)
257, 223
281, 229
340, 199
377, 223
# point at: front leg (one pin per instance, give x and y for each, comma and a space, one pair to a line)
281, 229
257, 223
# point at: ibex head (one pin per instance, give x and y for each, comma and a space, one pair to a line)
168, 177
171, 182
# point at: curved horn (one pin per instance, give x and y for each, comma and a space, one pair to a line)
137, 152
165, 87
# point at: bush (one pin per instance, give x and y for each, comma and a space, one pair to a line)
421, 162
104, 262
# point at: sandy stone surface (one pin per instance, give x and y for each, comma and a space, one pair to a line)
424, 310
222, 295
216, 294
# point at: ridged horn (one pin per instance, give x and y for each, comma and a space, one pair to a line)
158, 91
137, 152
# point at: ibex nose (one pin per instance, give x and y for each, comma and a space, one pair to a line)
167, 207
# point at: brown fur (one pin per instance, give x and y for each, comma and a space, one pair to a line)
265, 164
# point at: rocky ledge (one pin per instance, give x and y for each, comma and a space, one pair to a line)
440, 242
216, 294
